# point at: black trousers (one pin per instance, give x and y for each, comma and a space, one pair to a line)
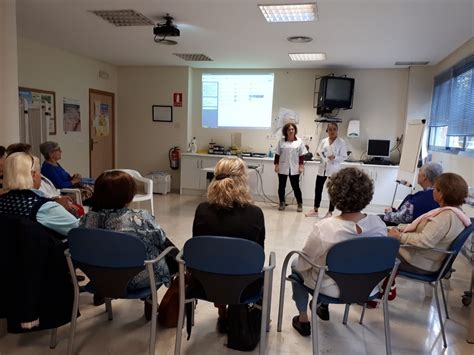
295, 185
318, 192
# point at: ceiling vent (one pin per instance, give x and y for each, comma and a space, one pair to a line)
166, 29
193, 57
123, 17
412, 63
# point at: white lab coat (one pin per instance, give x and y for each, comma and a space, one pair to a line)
290, 153
325, 149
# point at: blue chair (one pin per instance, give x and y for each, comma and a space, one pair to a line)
110, 260
434, 279
357, 265
225, 267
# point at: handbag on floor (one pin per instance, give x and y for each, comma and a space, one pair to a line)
168, 310
243, 327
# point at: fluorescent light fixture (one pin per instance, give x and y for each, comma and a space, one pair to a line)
307, 57
290, 12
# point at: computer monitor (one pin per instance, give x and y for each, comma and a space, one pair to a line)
378, 148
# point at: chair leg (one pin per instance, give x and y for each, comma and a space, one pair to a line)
154, 312
263, 322
346, 314
363, 313
75, 306
444, 299
386, 323
182, 301
314, 326
151, 205
282, 294
270, 274
108, 308
439, 315
54, 338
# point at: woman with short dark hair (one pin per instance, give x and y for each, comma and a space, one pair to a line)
350, 190
289, 161
114, 190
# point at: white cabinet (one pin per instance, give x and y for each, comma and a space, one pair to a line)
194, 181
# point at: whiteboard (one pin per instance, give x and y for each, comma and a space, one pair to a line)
410, 152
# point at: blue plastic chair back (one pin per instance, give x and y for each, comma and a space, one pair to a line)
363, 255
458, 243
224, 255
105, 248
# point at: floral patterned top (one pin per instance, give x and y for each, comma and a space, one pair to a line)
141, 224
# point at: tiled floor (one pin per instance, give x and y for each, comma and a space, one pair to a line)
414, 321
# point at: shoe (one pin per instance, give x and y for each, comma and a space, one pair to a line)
304, 328
323, 311
299, 208
222, 326
98, 300
282, 206
312, 213
327, 215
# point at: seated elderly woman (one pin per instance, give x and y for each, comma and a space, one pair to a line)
350, 191
21, 179
114, 190
229, 211
435, 229
414, 205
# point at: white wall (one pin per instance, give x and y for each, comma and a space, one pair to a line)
379, 104
143, 144
71, 76
9, 126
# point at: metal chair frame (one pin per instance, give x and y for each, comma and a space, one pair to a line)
108, 304
316, 293
267, 273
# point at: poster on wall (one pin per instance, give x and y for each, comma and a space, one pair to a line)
72, 115
47, 99
101, 119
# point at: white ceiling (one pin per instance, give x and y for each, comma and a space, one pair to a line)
234, 33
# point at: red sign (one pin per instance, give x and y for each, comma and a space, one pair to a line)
178, 99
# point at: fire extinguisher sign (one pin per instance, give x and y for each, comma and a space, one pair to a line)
178, 99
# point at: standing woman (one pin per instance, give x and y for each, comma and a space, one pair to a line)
332, 151
289, 160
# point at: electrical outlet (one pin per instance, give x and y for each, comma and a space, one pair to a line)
271, 136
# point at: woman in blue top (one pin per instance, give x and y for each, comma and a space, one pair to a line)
414, 205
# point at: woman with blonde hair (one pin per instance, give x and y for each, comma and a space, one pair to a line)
22, 178
229, 211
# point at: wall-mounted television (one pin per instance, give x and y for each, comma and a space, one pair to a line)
334, 93
378, 148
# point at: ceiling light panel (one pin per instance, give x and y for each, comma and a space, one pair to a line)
307, 57
412, 63
124, 17
193, 57
290, 13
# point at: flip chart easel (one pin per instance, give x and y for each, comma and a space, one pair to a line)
410, 154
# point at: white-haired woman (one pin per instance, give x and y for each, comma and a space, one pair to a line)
21, 179
229, 211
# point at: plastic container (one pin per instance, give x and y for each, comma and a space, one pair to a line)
161, 182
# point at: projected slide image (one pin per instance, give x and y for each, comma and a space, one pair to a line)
239, 100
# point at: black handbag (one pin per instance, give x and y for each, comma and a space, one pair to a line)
243, 327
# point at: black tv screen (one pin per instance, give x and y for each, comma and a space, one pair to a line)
335, 93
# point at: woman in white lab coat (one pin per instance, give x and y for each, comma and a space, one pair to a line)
332, 151
289, 162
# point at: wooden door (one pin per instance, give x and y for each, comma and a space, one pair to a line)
101, 131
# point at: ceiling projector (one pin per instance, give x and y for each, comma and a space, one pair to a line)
167, 29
